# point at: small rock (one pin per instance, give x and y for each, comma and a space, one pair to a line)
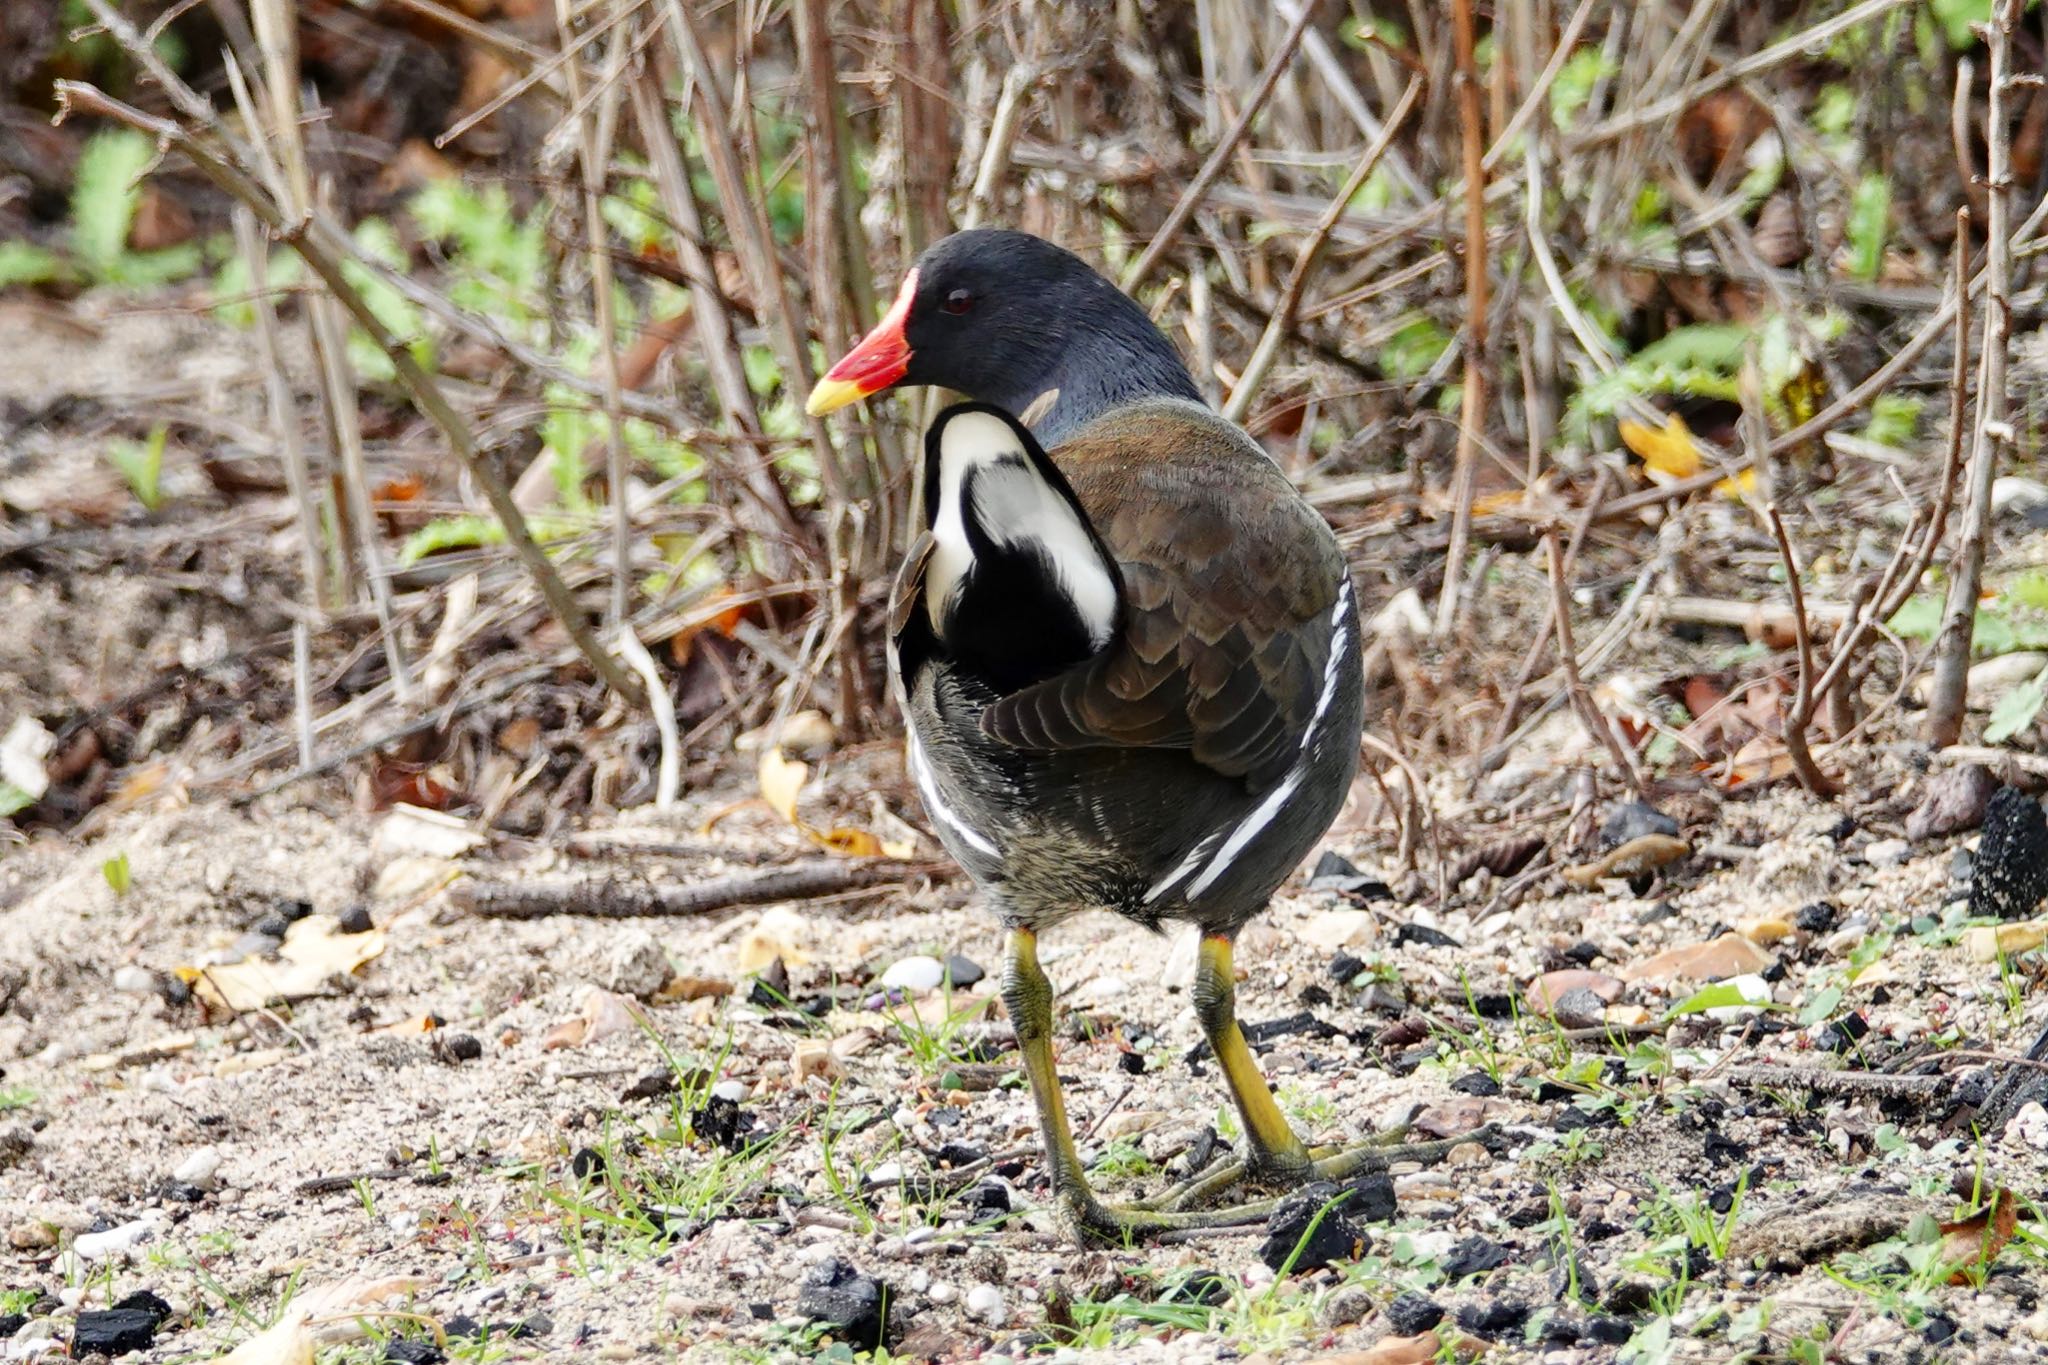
1301, 1235
1764, 931
1425, 935
1632, 821
2011, 873
10, 1323
134, 980
963, 972
1843, 941
34, 1235
989, 1199
914, 974
1331, 930
814, 1057
113, 1332
1843, 1034
985, 1302
354, 920
1956, 800
1887, 852
1815, 918
1546, 990
98, 1246
1468, 1154
1411, 1313
1474, 1256
2029, 1126
459, 1047
201, 1169
15, 1142
1373, 1199
639, 966
850, 1304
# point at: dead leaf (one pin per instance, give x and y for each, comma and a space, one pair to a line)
1420, 1349
1716, 960
1644, 853
337, 1304
853, 843
289, 1342
781, 779
679, 988
314, 950
1668, 451
1988, 944
604, 1015
1975, 1242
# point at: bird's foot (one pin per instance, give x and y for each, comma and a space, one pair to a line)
1087, 1220
1324, 1163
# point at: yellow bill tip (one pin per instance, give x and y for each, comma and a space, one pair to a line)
830, 395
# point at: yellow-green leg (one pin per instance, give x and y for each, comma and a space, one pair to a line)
1271, 1149
1272, 1152
1027, 995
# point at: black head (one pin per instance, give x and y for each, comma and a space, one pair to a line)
1008, 318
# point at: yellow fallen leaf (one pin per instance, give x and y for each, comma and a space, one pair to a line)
781, 779
853, 843
1739, 487
1668, 450
313, 951
289, 1342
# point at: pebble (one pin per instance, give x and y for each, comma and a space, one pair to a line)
134, 980
31, 1236
1887, 852
942, 1292
1332, 930
963, 971
985, 1301
1468, 1154
1844, 940
849, 1303
2030, 1125
914, 974
735, 1091
98, 1246
639, 966
202, 1169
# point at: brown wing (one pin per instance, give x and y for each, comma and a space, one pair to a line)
1229, 580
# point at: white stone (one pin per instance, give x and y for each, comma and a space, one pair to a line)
985, 1302
1887, 852
98, 1246
134, 980
943, 1292
200, 1169
914, 974
731, 1090
639, 966
2030, 1125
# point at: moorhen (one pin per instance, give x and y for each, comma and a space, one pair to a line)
1127, 649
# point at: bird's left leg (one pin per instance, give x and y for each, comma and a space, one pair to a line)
1272, 1151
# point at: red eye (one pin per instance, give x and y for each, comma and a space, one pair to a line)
958, 302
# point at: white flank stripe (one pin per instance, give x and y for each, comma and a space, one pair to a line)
1262, 815
928, 788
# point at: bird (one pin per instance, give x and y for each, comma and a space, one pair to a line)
1126, 648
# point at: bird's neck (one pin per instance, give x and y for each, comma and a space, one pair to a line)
1118, 357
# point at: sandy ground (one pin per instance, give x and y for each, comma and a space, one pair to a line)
560, 1169
352, 1147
